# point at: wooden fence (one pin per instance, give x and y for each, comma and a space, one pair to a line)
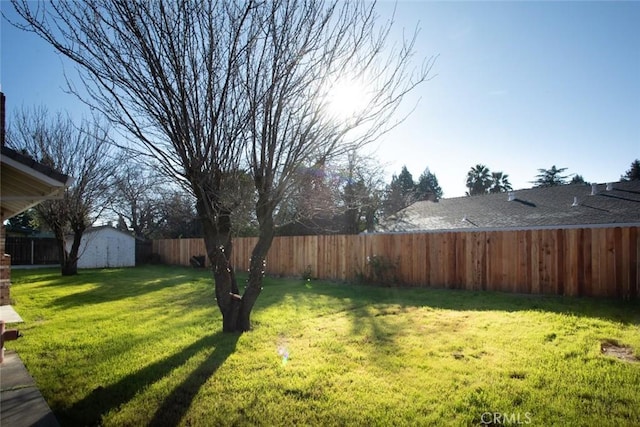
32, 251
573, 261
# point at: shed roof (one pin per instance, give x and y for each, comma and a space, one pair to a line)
99, 228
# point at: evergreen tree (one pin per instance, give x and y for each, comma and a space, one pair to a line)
405, 181
25, 220
428, 187
400, 193
633, 174
550, 177
578, 179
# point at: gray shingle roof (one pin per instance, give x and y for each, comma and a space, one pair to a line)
534, 207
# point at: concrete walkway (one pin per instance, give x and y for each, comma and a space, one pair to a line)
21, 404
9, 315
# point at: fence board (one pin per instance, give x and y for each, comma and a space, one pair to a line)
581, 261
32, 251
587, 283
634, 264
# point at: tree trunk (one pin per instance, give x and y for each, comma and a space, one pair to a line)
226, 287
352, 221
216, 226
257, 268
69, 268
68, 259
235, 308
70, 265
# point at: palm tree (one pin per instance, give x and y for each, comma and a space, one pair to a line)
500, 183
478, 180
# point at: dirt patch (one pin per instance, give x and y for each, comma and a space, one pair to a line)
615, 349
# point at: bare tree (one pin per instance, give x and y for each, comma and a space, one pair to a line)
138, 198
82, 152
216, 90
177, 216
362, 192
311, 203
152, 207
343, 196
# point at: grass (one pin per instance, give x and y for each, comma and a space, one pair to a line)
143, 346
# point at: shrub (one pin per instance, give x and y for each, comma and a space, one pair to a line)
307, 274
379, 270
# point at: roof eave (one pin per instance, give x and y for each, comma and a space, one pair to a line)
42, 186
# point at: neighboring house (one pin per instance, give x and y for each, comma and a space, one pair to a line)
105, 246
564, 206
23, 184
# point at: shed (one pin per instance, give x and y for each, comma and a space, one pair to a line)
106, 246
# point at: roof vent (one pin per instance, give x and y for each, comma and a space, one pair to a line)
575, 202
512, 196
609, 186
594, 189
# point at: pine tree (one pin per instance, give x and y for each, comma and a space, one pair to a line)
550, 177
428, 187
633, 174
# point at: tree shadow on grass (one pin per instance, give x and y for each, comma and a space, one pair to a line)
120, 284
102, 400
386, 322
176, 404
359, 296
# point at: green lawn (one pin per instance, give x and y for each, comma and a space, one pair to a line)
143, 346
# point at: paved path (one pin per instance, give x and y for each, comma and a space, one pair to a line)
21, 403
9, 315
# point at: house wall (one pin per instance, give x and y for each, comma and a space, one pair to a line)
5, 270
106, 247
599, 261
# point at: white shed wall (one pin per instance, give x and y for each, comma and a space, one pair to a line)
106, 247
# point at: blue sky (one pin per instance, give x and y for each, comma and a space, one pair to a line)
519, 86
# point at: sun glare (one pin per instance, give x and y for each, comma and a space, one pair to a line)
346, 98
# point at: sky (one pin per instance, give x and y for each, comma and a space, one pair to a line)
516, 86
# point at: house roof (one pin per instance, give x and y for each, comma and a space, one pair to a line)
564, 205
26, 183
23, 181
